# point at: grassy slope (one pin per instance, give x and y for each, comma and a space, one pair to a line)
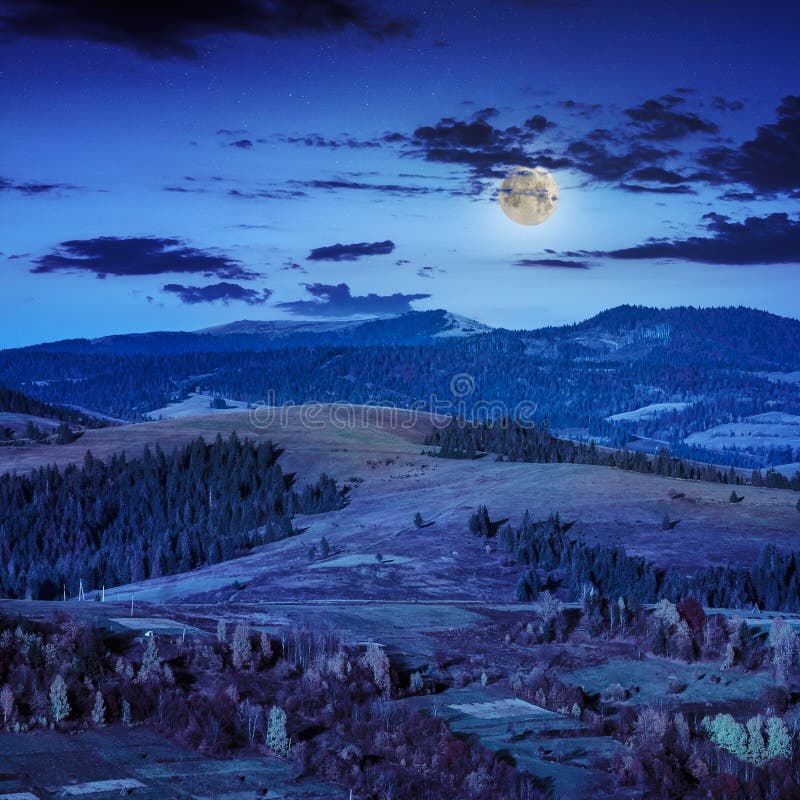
439, 562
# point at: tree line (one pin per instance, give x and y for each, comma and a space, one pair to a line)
551, 557
536, 444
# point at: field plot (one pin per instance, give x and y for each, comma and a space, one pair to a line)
101, 764
654, 680
160, 625
756, 434
645, 412
782, 377
120, 785
194, 406
543, 742
501, 709
358, 560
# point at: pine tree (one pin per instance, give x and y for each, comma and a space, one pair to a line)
99, 709
277, 739
7, 703
151, 662
59, 702
241, 651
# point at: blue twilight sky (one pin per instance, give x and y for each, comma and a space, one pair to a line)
337, 158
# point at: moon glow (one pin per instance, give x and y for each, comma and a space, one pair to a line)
528, 196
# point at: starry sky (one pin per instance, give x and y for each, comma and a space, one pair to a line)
170, 165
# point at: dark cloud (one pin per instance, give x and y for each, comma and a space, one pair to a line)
740, 197
225, 292
146, 255
602, 157
350, 252
336, 301
659, 120
722, 104
268, 194
774, 239
316, 140
186, 189
581, 109
770, 162
486, 113
657, 175
242, 144
180, 29
558, 263
429, 272
449, 132
636, 188
396, 189
538, 123
33, 188
485, 149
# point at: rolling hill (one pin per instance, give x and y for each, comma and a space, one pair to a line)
598, 379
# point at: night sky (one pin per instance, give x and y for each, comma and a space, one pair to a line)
164, 168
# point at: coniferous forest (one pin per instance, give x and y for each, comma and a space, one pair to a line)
554, 559
511, 441
136, 518
715, 364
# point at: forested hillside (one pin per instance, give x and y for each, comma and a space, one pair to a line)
510, 441
131, 519
554, 559
15, 402
705, 367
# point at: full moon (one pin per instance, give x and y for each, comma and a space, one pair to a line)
528, 196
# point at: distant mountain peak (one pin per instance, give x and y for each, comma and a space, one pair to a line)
437, 323
458, 325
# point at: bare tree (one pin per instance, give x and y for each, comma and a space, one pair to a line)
7, 704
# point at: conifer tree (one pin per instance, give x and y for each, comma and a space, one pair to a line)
59, 702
